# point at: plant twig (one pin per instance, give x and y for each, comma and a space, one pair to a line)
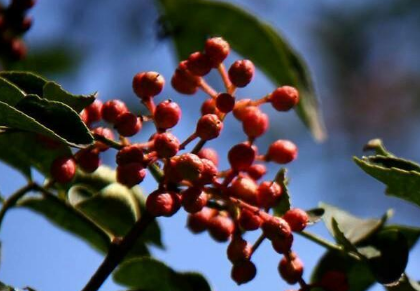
257, 243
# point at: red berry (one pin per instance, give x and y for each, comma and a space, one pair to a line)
238, 249
334, 281
170, 171
249, 220
88, 160
166, 144
198, 64
209, 173
276, 227
163, 203
244, 188
189, 167
106, 133
63, 169
217, 49
221, 228
282, 245
112, 109
284, 98
241, 156
209, 107
209, 127
254, 122
297, 219
194, 199
130, 154
282, 152
198, 222
209, 154
241, 73
93, 112
256, 171
241, 107
291, 268
127, 124
167, 114
268, 194
243, 272
148, 84
130, 174
225, 102
183, 81
18, 49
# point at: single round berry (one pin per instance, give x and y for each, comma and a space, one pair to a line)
127, 124
244, 188
238, 249
254, 122
63, 169
189, 167
163, 203
198, 222
209, 107
183, 81
282, 152
103, 132
221, 228
112, 109
88, 160
209, 154
249, 220
167, 114
199, 64
166, 144
282, 245
18, 49
256, 171
284, 98
130, 154
194, 199
243, 272
268, 194
334, 281
217, 50
241, 73
276, 227
209, 127
297, 219
241, 156
148, 84
241, 107
291, 268
130, 174
93, 112
225, 102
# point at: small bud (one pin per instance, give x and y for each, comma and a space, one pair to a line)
241, 73
282, 152
297, 219
243, 272
163, 203
284, 98
167, 114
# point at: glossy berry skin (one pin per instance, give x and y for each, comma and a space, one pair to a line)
88, 160
282, 245
284, 98
63, 169
183, 81
209, 107
282, 152
148, 84
209, 127
93, 112
276, 227
241, 73
255, 123
241, 156
225, 102
256, 171
221, 228
166, 145
249, 220
296, 218
217, 50
209, 154
167, 114
243, 272
189, 167
163, 203
130, 154
130, 174
199, 64
245, 189
194, 199
105, 132
334, 281
238, 250
268, 194
127, 124
198, 222
209, 173
112, 109
291, 268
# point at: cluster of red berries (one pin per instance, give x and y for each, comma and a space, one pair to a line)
13, 23
226, 203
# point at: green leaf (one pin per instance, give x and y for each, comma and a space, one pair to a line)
402, 177
53, 91
341, 239
28, 82
284, 204
9, 93
151, 274
243, 31
315, 215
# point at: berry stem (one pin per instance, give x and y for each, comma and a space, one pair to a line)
111, 143
207, 88
187, 141
257, 243
198, 146
259, 101
222, 71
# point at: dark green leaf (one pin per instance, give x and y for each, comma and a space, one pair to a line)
412, 234
28, 82
9, 93
284, 204
341, 239
405, 284
53, 91
315, 215
243, 31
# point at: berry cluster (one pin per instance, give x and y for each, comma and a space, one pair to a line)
227, 203
13, 23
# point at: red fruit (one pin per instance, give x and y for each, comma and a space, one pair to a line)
241, 107
268, 194
166, 144
254, 122
209, 154
297, 219
130, 174
291, 268
282, 245
198, 64
163, 203
209, 127
148, 84
243, 272
84, 117
183, 81
241, 73
276, 227
26, 24
194, 199
198, 222
167, 114
93, 112
209, 173
217, 50
244, 188
282, 152
284, 98
18, 49
63, 169
256, 171
189, 167
209, 107
130, 154
106, 133
241, 156
334, 281
225, 102
221, 228
238, 249
249, 220
88, 160
127, 124
112, 109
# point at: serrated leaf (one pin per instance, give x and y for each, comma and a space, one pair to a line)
284, 204
243, 31
341, 239
159, 277
53, 91
402, 177
9, 93
28, 82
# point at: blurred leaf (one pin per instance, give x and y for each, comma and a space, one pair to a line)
192, 22
405, 284
284, 204
315, 215
402, 177
9, 93
412, 234
151, 274
28, 82
53, 91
